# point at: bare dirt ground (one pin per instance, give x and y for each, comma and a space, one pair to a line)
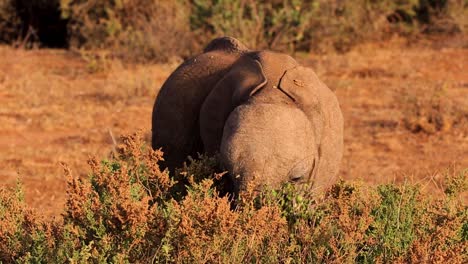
405, 110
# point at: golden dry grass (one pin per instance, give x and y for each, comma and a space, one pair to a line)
57, 107
54, 110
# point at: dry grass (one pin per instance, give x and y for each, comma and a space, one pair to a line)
54, 109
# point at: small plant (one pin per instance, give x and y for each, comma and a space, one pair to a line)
430, 112
456, 182
25, 237
458, 14
95, 61
393, 227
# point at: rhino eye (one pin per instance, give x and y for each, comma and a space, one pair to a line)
300, 170
296, 178
298, 173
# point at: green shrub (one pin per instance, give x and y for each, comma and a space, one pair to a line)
25, 236
32, 23
278, 25
457, 14
289, 25
9, 22
141, 30
341, 24
393, 228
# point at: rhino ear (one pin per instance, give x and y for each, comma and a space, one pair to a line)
304, 88
246, 78
321, 106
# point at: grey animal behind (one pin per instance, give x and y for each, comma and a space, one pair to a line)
270, 119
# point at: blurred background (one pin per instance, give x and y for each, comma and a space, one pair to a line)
156, 30
75, 75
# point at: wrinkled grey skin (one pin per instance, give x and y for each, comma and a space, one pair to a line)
270, 119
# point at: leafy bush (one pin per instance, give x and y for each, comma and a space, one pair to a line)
28, 23
290, 25
128, 210
457, 14
138, 30
24, 236
431, 111
278, 25
340, 24
9, 21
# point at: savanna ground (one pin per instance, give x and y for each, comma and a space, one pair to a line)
397, 67
405, 108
